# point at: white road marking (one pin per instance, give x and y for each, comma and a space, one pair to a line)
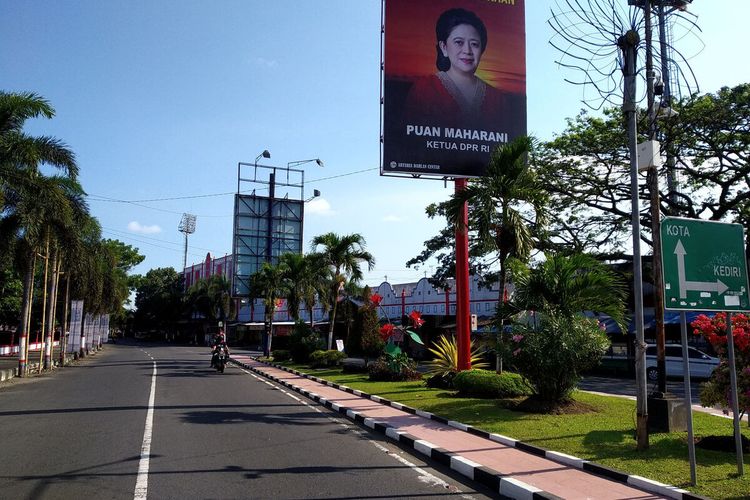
141, 482
423, 475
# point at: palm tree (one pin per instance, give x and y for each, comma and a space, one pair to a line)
22, 186
568, 285
40, 217
559, 343
211, 297
21, 155
504, 206
268, 285
343, 255
296, 280
498, 207
305, 277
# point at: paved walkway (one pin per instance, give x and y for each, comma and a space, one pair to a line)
9, 364
509, 467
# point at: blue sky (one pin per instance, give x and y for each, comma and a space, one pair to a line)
161, 99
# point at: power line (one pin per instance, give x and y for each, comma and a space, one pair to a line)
136, 239
213, 195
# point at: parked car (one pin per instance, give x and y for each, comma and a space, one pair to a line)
701, 364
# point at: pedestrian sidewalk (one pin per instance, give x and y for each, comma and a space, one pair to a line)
9, 364
512, 468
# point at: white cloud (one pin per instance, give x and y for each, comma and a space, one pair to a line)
266, 63
137, 227
392, 218
319, 206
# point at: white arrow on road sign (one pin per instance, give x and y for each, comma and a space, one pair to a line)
695, 286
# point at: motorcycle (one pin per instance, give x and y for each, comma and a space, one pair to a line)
219, 359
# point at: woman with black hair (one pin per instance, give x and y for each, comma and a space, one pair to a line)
455, 96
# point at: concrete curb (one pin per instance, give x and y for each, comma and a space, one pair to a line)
495, 480
9, 373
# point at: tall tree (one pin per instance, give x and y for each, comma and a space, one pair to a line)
21, 157
505, 206
268, 285
586, 170
158, 299
211, 298
343, 255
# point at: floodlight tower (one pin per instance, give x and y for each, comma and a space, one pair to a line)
187, 226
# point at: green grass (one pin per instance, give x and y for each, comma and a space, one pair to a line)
605, 436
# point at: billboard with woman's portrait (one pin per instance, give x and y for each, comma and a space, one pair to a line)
454, 84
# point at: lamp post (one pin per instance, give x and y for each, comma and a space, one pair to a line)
302, 162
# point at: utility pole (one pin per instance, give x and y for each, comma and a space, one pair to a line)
627, 44
652, 181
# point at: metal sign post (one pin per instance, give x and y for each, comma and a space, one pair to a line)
705, 270
688, 397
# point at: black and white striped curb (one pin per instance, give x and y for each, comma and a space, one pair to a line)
507, 486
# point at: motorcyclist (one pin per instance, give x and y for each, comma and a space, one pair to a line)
218, 343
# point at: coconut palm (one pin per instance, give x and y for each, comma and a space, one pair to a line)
305, 279
343, 255
268, 285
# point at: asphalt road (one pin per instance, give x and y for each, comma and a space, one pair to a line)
627, 387
79, 432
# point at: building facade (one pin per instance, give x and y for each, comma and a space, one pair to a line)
399, 299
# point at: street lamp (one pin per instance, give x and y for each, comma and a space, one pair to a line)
300, 162
316, 193
264, 154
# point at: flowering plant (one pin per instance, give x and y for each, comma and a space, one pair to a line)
389, 332
395, 364
718, 389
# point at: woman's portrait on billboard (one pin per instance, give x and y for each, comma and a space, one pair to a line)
455, 81
455, 95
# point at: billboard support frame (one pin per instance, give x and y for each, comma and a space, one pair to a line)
283, 206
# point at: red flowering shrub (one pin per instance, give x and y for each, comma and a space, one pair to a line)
717, 391
394, 364
386, 331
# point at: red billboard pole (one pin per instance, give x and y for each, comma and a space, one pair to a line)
463, 332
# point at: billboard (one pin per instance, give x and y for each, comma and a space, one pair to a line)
264, 229
454, 84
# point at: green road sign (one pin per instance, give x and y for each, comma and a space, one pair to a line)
704, 265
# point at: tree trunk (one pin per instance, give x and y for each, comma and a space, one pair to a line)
28, 284
51, 301
269, 337
500, 344
312, 320
333, 322
42, 349
64, 333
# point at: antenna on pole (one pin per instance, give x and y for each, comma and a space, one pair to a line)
187, 226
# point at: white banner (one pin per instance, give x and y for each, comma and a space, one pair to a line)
74, 328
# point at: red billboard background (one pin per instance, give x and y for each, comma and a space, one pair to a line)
410, 58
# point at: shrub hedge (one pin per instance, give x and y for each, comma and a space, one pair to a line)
321, 359
281, 355
488, 384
